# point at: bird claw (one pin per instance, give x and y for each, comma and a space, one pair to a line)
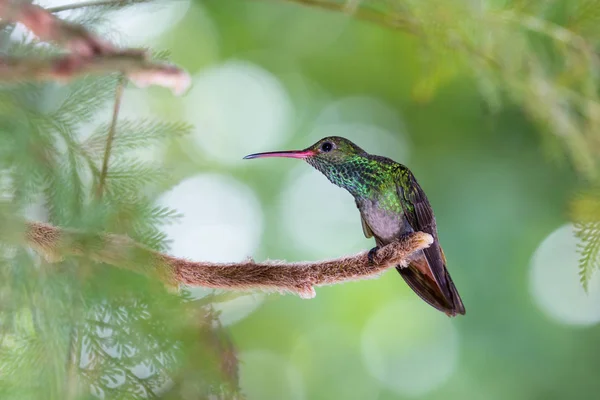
372, 254
398, 253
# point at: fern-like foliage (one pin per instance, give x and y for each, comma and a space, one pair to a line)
589, 233
76, 329
586, 214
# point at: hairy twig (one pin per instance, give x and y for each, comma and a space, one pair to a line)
111, 135
89, 53
299, 278
49, 28
95, 3
65, 68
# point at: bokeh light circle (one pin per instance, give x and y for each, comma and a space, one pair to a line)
371, 138
319, 217
238, 108
369, 122
237, 309
268, 376
142, 24
222, 219
362, 110
138, 24
554, 280
233, 310
409, 347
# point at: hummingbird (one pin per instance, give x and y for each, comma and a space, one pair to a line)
392, 204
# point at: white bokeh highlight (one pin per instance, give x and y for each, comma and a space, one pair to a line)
363, 110
410, 348
369, 122
554, 281
239, 308
222, 219
136, 105
238, 108
230, 311
268, 376
222, 222
319, 217
371, 138
142, 24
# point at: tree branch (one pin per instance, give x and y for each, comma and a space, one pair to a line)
89, 53
298, 278
95, 3
65, 68
49, 28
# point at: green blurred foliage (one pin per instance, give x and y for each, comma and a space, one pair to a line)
485, 146
77, 328
491, 94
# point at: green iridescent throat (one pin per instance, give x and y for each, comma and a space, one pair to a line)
366, 177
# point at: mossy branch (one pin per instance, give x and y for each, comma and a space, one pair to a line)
299, 278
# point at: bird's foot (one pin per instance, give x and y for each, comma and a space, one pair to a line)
403, 237
398, 253
372, 254
410, 243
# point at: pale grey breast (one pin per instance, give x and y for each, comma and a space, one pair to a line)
386, 225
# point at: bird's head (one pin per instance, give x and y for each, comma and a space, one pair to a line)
333, 150
336, 157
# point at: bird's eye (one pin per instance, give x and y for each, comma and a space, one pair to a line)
326, 147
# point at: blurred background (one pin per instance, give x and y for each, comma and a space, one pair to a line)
274, 75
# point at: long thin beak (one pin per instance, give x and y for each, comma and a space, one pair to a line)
288, 154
